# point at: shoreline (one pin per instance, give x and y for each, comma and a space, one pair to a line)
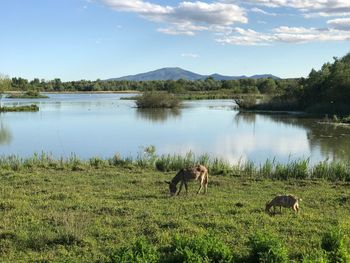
78, 92
300, 169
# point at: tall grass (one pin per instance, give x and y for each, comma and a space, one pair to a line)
147, 158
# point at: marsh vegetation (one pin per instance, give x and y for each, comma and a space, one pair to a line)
31, 94
30, 108
157, 100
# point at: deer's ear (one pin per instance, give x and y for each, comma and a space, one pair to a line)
167, 182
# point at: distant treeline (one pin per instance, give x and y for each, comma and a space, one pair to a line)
264, 86
324, 91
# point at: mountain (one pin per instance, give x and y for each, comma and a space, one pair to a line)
163, 74
178, 73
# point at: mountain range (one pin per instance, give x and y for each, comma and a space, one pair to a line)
179, 73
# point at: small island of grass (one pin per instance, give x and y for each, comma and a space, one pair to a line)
31, 108
28, 95
157, 100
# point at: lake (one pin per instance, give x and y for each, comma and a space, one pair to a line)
102, 125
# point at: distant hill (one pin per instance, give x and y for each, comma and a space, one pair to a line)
178, 73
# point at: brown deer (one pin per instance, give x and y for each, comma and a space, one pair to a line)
198, 172
288, 201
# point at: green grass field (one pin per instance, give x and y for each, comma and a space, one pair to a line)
51, 215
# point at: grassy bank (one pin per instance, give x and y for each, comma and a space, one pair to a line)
250, 103
27, 95
208, 95
84, 211
32, 107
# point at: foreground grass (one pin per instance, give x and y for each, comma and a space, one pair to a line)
85, 215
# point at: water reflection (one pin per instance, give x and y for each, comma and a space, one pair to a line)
69, 123
333, 141
158, 115
246, 117
5, 134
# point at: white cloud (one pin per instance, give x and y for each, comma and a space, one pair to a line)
175, 31
138, 6
294, 30
283, 34
221, 16
186, 18
315, 7
189, 55
211, 14
260, 11
340, 23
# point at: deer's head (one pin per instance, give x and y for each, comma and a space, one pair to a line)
172, 188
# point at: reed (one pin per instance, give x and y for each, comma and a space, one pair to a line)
147, 158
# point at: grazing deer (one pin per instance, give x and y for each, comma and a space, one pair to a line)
288, 201
198, 172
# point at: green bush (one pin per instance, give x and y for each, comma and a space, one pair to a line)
142, 251
204, 248
267, 248
157, 100
334, 243
246, 102
318, 256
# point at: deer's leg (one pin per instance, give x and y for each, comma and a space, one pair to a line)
206, 184
186, 187
296, 208
280, 209
200, 187
180, 187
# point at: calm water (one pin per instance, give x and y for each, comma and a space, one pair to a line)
102, 125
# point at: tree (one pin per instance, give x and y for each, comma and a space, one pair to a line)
268, 86
5, 84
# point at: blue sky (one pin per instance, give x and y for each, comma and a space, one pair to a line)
90, 39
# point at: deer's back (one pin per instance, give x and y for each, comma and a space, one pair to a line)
284, 200
196, 172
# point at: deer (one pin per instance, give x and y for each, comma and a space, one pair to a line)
288, 201
198, 173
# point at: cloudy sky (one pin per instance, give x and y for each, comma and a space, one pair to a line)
90, 39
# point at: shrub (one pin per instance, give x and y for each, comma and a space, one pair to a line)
141, 251
97, 162
246, 102
157, 100
334, 243
204, 248
318, 256
267, 248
